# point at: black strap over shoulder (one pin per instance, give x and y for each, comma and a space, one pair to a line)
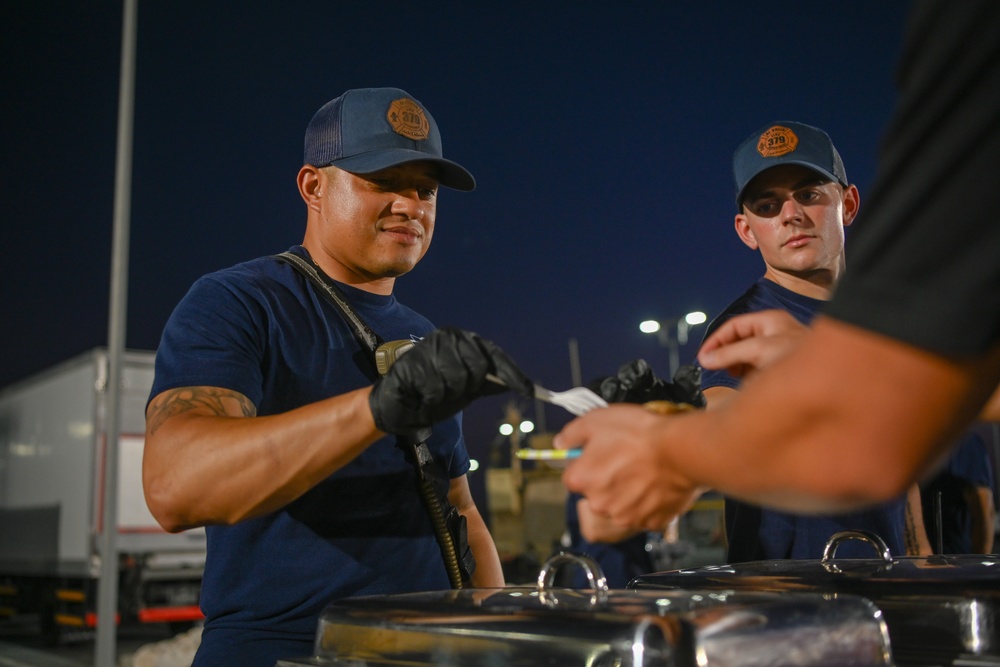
308, 268
449, 524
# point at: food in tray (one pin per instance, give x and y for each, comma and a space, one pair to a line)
667, 407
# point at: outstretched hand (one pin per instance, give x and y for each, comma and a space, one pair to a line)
751, 342
623, 470
438, 377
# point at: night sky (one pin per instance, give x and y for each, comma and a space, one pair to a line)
600, 135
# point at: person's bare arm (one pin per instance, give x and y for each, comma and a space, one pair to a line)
209, 459
991, 411
716, 397
751, 342
980, 502
489, 573
915, 532
596, 528
820, 447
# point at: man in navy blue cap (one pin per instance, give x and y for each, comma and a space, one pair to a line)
857, 407
794, 202
268, 419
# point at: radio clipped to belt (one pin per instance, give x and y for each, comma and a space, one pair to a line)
433, 483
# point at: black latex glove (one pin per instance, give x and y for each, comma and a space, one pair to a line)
635, 382
438, 377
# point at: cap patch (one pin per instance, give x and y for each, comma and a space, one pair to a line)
777, 141
408, 119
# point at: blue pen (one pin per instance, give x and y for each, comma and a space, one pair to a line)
548, 454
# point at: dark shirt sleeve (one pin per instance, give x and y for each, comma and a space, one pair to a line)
211, 339
925, 257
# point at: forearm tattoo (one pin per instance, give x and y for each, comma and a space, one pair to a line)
206, 400
910, 534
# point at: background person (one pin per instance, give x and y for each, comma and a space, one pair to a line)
959, 499
264, 425
794, 201
921, 304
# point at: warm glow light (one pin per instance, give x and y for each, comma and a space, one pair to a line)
506, 429
649, 326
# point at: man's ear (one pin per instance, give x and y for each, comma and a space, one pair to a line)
744, 232
309, 181
852, 203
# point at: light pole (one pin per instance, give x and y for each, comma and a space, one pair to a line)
673, 333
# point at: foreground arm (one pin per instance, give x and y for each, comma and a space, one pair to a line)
209, 460
489, 573
752, 342
820, 448
980, 503
596, 528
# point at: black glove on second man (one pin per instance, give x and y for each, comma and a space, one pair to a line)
438, 377
635, 382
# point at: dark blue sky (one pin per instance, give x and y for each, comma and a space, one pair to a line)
600, 135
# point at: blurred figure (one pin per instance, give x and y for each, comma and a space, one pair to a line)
958, 501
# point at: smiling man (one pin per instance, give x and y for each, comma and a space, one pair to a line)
794, 202
267, 420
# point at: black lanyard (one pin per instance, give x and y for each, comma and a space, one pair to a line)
308, 268
449, 524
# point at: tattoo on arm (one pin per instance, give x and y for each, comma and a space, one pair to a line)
910, 533
204, 400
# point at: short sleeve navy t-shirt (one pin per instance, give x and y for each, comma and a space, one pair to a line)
925, 251
763, 295
755, 533
261, 329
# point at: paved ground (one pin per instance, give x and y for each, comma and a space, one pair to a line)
22, 646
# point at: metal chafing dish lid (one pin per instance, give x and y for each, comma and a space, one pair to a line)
596, 627
939, 609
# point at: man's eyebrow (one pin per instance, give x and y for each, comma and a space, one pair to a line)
807, 182
812, 180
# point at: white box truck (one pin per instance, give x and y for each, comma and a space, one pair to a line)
53, 429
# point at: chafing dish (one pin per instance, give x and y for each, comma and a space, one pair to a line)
940, 610
597, 627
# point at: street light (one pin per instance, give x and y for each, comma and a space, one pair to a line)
526, 426
673, 333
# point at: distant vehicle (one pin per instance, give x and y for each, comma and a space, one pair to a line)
53, 432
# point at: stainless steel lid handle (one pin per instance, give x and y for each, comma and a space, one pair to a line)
830, 550
593, 571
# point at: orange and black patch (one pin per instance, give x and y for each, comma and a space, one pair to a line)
777, 141
408, 119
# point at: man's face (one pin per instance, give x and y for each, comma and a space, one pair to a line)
377, 225
796, 218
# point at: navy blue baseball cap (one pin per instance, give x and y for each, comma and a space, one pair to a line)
786, 142
369, 129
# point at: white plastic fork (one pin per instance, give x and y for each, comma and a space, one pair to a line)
576, 401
